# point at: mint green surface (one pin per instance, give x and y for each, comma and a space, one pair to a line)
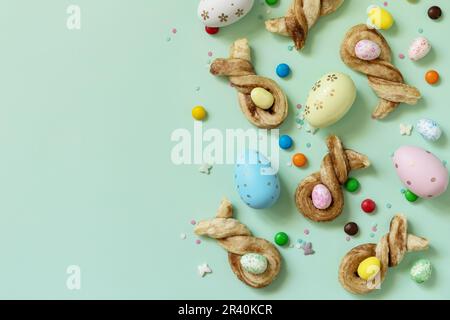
85, 171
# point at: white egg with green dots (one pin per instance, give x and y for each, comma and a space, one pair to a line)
254, 263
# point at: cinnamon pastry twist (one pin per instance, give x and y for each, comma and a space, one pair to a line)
336, 165
242, 76
384, 78
300, 18
235, 237
390, 251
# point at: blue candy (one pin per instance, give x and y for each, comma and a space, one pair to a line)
283, 70
285, 142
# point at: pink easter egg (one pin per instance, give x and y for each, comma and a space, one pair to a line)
419, 48
421, 171
367, 50
321, 197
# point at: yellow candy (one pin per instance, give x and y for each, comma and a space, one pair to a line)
262, 98
198, 113
379, 18
369, 268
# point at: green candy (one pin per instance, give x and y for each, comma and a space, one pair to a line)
351, 185
281, 238
421, 270
410, 196
271, 2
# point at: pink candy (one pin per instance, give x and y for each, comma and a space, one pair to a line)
367, 50
321, 197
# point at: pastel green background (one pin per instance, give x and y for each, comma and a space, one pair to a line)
85, 172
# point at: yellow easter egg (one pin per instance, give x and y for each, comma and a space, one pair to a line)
369, 268
262, 98
379, 18
329, 100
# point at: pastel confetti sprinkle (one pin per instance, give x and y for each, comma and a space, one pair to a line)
372, 235
374, 228
420, 30
299, 106
168, 39
299, 240
308, 145
198, 241
385, 4
347, 238
210, 54
388, 205
401, 56
174, 30
197, 89
193, 222
298, 246
403, 191
183, 236
306, 231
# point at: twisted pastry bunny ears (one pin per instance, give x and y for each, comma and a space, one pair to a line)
301, 17
235, 238
390, 251
238, 67
384, 78
336, 165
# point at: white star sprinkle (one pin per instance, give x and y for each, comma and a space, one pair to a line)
205, 168
405, 129
203, 269
183, 236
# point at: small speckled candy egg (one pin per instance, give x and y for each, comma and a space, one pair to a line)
367, 50
321, 197
419, 48
329, 100
429, 129
220, 13
256, 181
254, 263
421, 270
421, 171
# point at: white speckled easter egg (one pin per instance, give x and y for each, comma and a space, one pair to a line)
421, 171
429, 129
256, 181
329, 99
220, 13
321, 197
367, 50
254, 263
419, 48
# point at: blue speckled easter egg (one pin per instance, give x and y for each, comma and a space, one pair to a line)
256, 181
429, 129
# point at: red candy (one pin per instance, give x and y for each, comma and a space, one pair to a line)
211, 30
368, 206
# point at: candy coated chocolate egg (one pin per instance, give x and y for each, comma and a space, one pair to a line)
219, 13
254, 263
329, 100
321, 197
429, 129
421, 171
367, 50
419, 48
369, 268
379, 18
421, 270
256, 181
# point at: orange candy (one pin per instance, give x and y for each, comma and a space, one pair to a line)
432, 77
299, 160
